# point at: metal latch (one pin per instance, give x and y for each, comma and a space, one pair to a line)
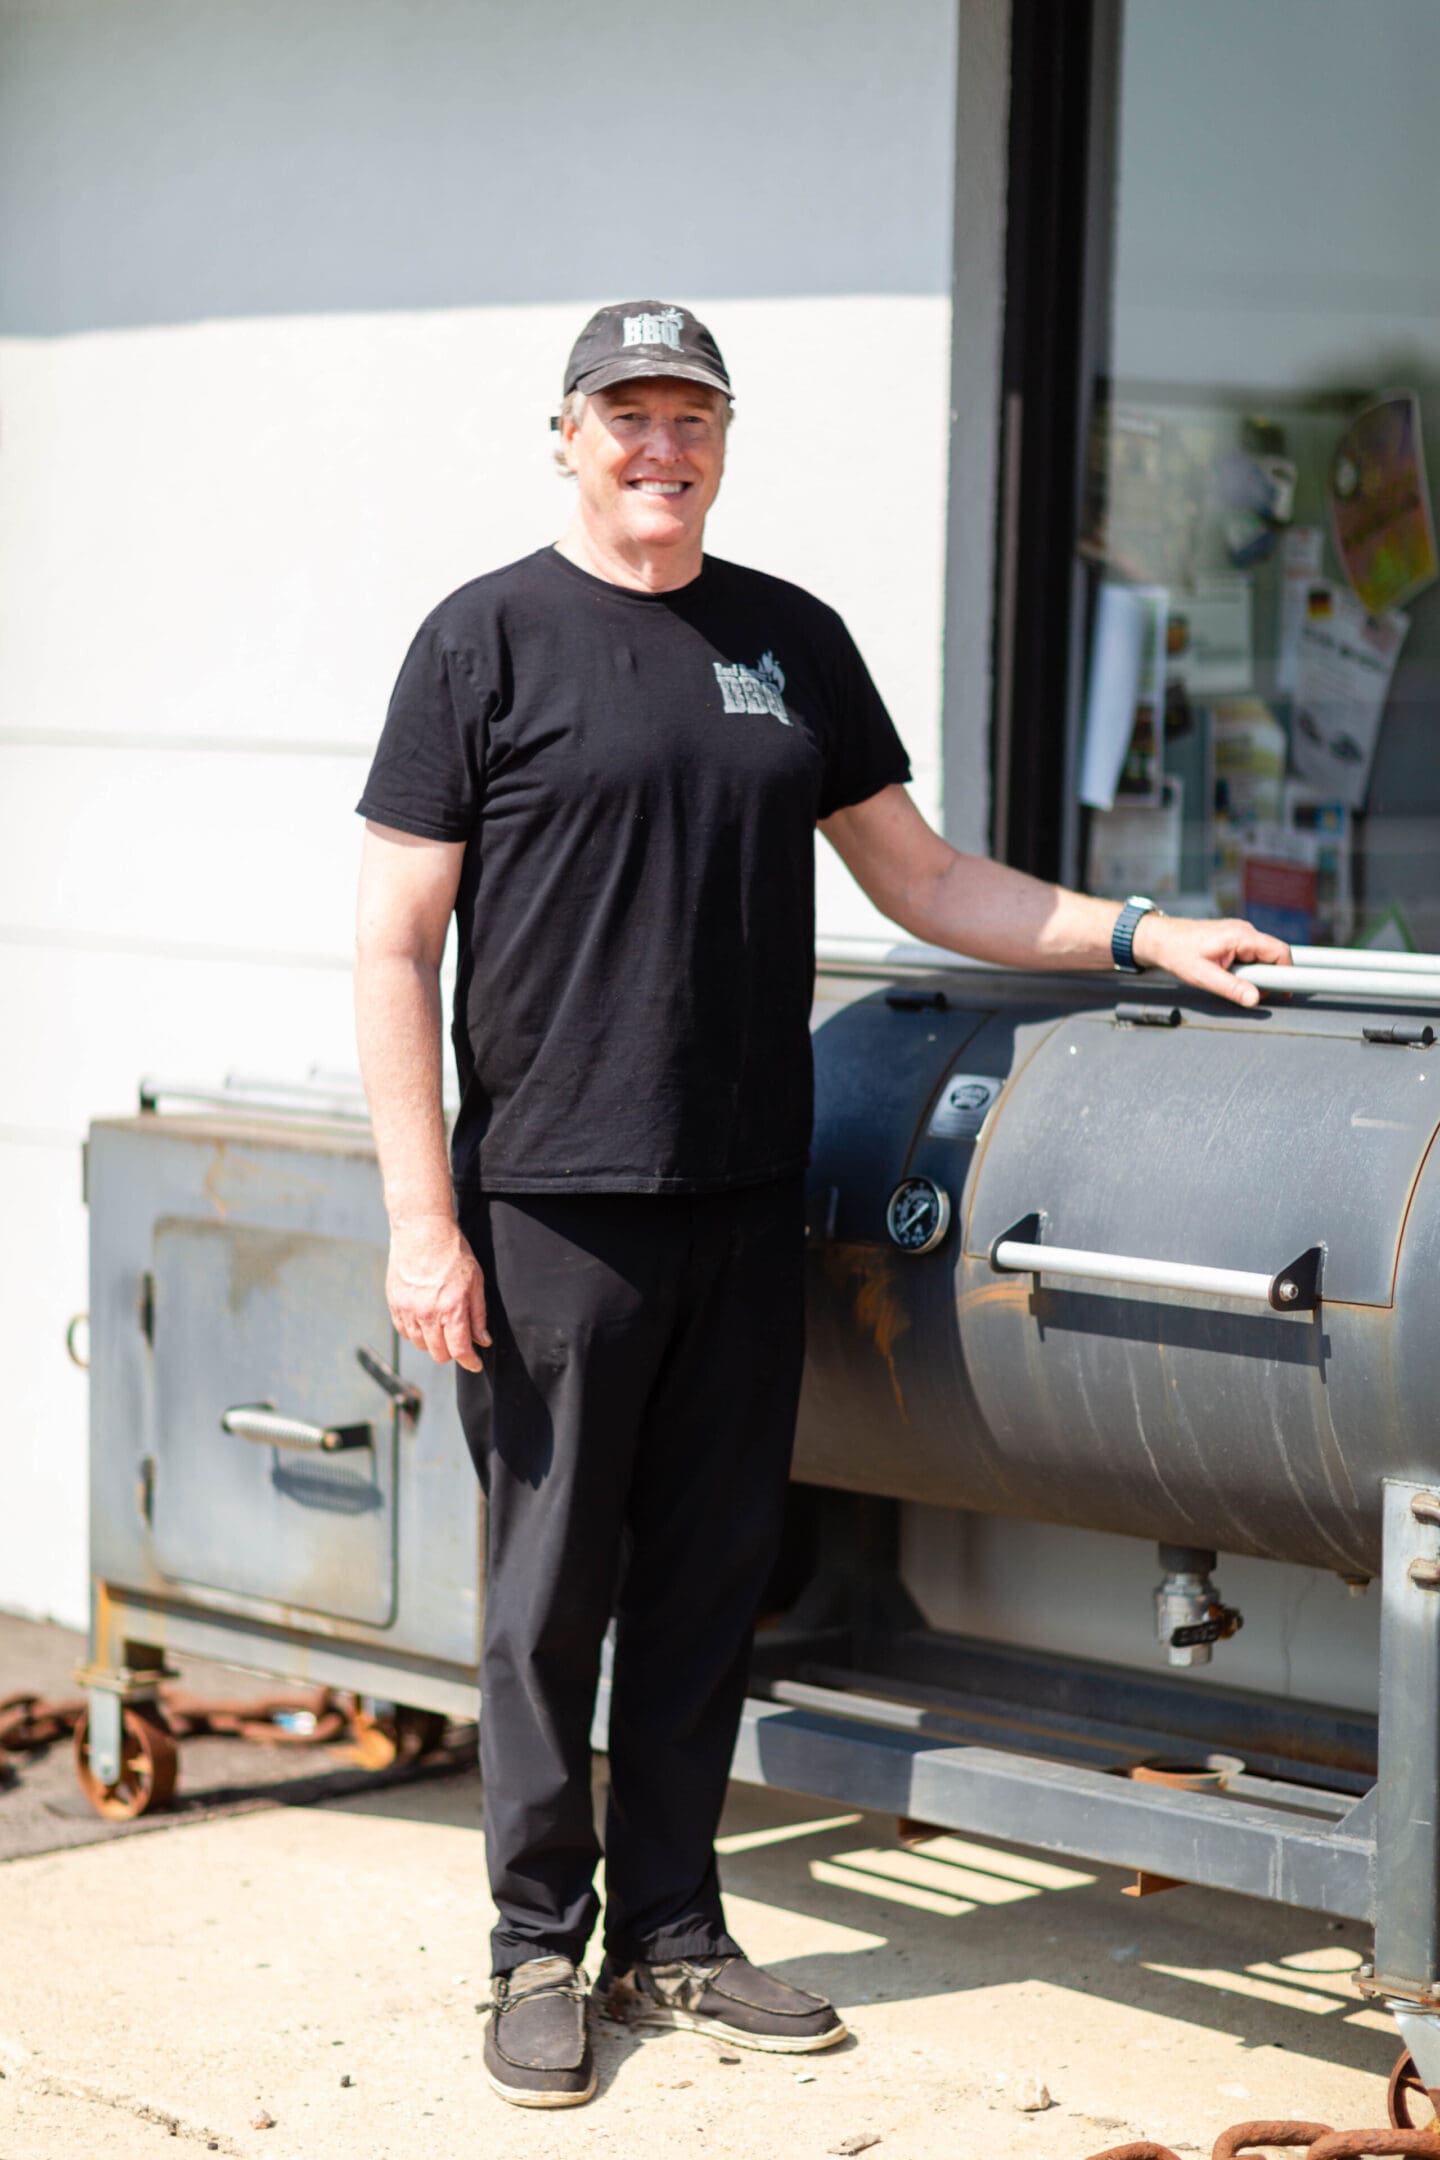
408, 1399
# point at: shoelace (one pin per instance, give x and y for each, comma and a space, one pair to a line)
577, 1989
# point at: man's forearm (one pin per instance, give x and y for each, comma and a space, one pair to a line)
994, 913
397, 1025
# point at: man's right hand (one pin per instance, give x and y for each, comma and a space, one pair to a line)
436, 1290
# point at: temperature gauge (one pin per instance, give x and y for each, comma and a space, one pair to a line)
918, 1215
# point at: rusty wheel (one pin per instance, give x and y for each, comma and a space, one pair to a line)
149, 1767
1409, 2098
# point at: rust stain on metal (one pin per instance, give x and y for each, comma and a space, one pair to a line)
864, 1274
1005, 1290
258, 1259
232, 1175
215, 1179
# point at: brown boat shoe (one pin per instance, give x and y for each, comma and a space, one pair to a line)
727, 1997
537, 2043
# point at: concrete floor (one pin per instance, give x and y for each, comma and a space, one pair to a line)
176, 1985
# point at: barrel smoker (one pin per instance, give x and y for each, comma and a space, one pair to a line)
1119, 1258
1140, 1261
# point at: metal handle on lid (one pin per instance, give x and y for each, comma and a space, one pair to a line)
1292, 1289
264, 1423
1361, 956
1415, 986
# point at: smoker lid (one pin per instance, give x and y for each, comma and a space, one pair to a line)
1215, 1143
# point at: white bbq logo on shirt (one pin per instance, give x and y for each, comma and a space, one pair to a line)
662, 329
754, 690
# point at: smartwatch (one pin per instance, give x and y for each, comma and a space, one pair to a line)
1122, 937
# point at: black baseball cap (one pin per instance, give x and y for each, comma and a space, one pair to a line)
636, 338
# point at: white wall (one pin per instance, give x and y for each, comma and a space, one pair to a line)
284, 297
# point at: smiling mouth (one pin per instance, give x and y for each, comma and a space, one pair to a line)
659, 487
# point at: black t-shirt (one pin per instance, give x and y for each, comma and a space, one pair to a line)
636, 777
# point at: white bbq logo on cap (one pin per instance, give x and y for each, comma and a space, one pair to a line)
663, 329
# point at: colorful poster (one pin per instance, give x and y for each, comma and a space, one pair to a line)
1380, 505
1343, 672
1279, 883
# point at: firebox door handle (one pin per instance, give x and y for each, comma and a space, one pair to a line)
263, 1422
1292, 1289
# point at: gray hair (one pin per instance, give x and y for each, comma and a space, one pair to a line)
572, 408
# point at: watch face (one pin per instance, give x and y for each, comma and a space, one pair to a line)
918, 1215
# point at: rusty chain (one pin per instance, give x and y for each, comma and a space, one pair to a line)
30, 1723
1319, 2141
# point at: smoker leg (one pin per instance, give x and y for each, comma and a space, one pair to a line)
1407, 1830
120, 1673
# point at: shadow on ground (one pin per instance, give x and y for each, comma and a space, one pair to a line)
962, 1914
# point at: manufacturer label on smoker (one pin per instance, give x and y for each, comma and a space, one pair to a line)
960, 1112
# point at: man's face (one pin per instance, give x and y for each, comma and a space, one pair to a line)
648, 457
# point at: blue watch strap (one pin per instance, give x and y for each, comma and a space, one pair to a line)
1122, 937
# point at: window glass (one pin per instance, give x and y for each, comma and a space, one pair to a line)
1261, 708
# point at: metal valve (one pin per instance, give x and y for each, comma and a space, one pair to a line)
1189, 1617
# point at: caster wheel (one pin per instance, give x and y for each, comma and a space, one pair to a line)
1413, 2105
149, 1768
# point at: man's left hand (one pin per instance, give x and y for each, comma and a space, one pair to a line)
1203, 953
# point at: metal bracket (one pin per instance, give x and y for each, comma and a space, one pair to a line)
1420, 2032
127, 1683
1025, 1232
1297, 1288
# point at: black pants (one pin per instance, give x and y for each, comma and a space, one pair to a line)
633, 1433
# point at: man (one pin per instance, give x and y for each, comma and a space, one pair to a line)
608, 760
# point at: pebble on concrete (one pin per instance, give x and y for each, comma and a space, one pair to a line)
1031, 2096
858, 2144
262, 2121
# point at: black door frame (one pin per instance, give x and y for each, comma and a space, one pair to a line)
1055, 362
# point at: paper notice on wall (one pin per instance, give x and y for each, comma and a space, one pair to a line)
1302, 554
1212, 648
1125, 696
1344, 668
1380, 504
1278, 882
1248, 750
1137, 849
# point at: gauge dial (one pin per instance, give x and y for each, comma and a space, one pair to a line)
918, 1215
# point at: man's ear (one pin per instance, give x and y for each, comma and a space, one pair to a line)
568, 432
